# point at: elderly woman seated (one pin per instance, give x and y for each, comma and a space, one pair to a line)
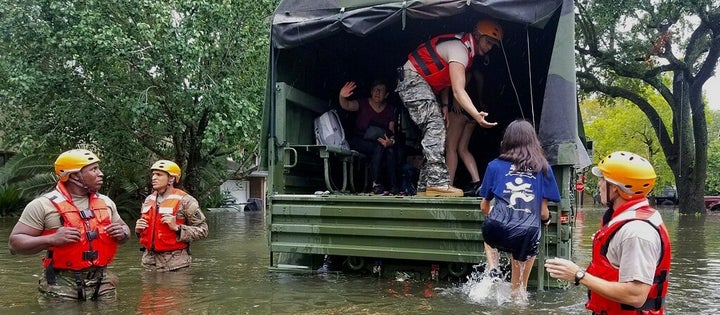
373, 134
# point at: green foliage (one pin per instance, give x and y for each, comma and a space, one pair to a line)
712, 183
218, 199
135, 81
656, 55
621, 126
23, 178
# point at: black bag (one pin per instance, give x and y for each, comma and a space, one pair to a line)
373, 132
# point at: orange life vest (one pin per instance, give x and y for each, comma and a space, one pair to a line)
432, 67
96, 247
602, 268
158, 236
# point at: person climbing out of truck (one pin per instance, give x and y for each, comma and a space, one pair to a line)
435, 65
516, 189
373, 134
460, 125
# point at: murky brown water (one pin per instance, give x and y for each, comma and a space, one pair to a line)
230, 276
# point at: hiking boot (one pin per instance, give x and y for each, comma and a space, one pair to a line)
420, 193
471, 190
443, 191
378, 189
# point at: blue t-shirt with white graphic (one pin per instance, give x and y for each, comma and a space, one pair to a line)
513, 225
521, 190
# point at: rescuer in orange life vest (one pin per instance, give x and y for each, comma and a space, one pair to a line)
79, 227
436, 65
170, 220
630, 263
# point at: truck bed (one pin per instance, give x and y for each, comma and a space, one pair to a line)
445, 231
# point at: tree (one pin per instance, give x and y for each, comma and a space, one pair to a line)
625, 46
712, 183
136, 81
623, 127
23, 178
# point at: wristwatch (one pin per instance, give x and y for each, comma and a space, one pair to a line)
578, 276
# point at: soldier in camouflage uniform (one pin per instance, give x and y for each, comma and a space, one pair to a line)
436, 65
170, 220
80, 244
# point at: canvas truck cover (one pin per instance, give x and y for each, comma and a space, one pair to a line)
297, 23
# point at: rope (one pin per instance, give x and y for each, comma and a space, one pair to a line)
512, 82
532, 99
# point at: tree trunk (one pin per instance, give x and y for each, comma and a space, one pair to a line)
691, 195
691, 141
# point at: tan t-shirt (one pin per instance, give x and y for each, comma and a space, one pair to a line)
41, 214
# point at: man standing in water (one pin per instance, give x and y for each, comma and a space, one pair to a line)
630, 263
79, 227
169, 221
435, 65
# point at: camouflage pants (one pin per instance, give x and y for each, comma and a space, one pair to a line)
420, 101
66, 287
166, 261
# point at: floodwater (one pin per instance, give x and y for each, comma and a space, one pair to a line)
230, 275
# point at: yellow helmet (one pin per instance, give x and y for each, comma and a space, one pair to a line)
632, 173
490, 28
168, 166
73, 161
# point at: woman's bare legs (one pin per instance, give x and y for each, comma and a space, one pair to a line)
493, 258
456, 125
465, 155
519, 276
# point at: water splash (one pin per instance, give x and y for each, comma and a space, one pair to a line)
487, 287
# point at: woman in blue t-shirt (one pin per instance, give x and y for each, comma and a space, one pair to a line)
519, 182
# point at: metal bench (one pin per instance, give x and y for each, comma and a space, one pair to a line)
326, 153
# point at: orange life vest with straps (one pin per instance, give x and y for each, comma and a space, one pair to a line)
431, 66
602, 268
96, 247
158, 236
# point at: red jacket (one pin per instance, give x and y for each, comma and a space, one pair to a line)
601, 267
158, 236
96, 247
431, 66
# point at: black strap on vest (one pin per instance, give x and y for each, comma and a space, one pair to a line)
89, 275
98, 284
436, 59
80, 286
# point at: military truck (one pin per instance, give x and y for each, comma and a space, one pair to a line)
317, 200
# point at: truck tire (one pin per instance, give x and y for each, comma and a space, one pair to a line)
355, 263
667, 202
458, 269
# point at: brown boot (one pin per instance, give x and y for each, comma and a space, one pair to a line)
443, 191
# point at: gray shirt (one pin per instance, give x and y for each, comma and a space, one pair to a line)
635, 251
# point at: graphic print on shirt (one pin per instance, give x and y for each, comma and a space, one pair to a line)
521, 193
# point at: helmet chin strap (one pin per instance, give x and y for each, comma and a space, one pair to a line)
168, 186
79, 183
610, 204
